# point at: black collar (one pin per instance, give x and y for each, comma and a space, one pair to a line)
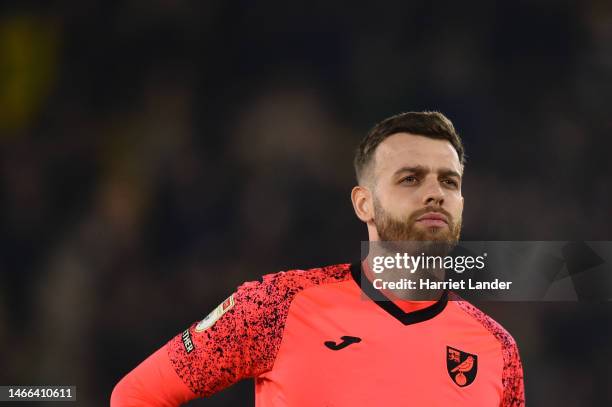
379, 298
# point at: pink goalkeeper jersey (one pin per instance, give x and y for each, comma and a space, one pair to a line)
312, 338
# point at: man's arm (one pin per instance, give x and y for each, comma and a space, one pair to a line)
238, 339
207, 357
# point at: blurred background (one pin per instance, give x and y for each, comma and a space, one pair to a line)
155, 155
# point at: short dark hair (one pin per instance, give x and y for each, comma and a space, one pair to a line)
429, 124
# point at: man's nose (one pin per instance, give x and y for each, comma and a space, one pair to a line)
433, 193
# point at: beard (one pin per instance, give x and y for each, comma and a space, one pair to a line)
405, 232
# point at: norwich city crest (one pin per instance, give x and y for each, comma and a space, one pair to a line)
461, 366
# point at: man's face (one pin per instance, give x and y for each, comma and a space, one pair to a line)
417, 189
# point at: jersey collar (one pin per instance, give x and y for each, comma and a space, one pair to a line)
406, 318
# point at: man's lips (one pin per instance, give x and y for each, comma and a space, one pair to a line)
433, 219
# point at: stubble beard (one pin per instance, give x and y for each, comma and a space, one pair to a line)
405, 232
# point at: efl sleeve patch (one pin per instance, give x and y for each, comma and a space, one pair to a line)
215, 314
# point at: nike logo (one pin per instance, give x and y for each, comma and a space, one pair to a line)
346, 341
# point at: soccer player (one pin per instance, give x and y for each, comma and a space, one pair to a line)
317, 338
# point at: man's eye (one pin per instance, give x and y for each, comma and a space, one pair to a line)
450, 182
410, 179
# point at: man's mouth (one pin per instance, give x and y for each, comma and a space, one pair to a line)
433, 219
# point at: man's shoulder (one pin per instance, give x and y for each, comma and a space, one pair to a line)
285, 284
263, 305
490, 324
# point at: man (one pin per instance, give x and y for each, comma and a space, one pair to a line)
317, 338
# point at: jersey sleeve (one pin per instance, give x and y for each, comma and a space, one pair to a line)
237, 340
512, 376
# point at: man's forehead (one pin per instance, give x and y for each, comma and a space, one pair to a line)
405, 149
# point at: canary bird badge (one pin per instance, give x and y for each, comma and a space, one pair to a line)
461, 366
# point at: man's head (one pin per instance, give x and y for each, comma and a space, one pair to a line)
409, 169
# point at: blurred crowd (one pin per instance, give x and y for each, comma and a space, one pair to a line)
154, 156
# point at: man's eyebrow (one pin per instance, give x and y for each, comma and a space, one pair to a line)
419, 169
449, 173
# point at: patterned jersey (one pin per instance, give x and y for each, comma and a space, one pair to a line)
316, 338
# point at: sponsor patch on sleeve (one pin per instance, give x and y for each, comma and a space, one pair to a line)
187, 342
217, 313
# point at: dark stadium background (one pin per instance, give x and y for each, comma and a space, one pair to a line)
154, 155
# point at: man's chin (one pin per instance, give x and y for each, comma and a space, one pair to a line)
439, 241
442, 234
428, 245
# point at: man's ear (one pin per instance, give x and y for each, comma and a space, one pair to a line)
363, 203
